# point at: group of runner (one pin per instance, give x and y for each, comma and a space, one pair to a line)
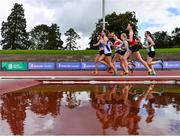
125, 45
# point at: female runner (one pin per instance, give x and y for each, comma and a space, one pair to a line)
149, 45
134, 49
121, 46
107, 51
101, 52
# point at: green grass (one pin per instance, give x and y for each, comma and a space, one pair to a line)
81, 52
48, 52
165, 51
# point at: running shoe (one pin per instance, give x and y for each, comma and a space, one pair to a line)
150, 73
154, 74
126, 73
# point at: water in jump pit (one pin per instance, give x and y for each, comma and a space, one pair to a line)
91, 110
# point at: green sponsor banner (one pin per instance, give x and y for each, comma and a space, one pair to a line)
14, 66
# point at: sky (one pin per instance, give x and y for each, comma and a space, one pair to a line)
82, 15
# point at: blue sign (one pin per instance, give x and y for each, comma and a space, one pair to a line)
68, 65
91, 66
41, 66
172, 65
141, 66
117, 64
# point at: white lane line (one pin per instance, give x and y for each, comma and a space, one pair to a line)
110, 82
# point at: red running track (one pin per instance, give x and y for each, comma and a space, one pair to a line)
81, 73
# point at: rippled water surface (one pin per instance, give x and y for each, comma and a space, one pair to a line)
91, 109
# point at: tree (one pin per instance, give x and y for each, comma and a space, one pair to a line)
116, 23
72, 36
162, 39
54, 38
39, 37
45, 37
14, 30
176, 37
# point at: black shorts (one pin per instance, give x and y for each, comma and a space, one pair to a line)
109, 54
101, 52
152, 54
121, 52
134, 48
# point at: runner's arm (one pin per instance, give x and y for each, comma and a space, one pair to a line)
97, 44
117, 39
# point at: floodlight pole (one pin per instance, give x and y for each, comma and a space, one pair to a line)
103, 14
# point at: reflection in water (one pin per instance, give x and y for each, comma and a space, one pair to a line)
14, 105
115, 107
120, 107
45, 103
71, 100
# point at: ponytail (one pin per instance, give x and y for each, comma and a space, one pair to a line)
152, 37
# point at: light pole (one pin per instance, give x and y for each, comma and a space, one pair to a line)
103, 14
